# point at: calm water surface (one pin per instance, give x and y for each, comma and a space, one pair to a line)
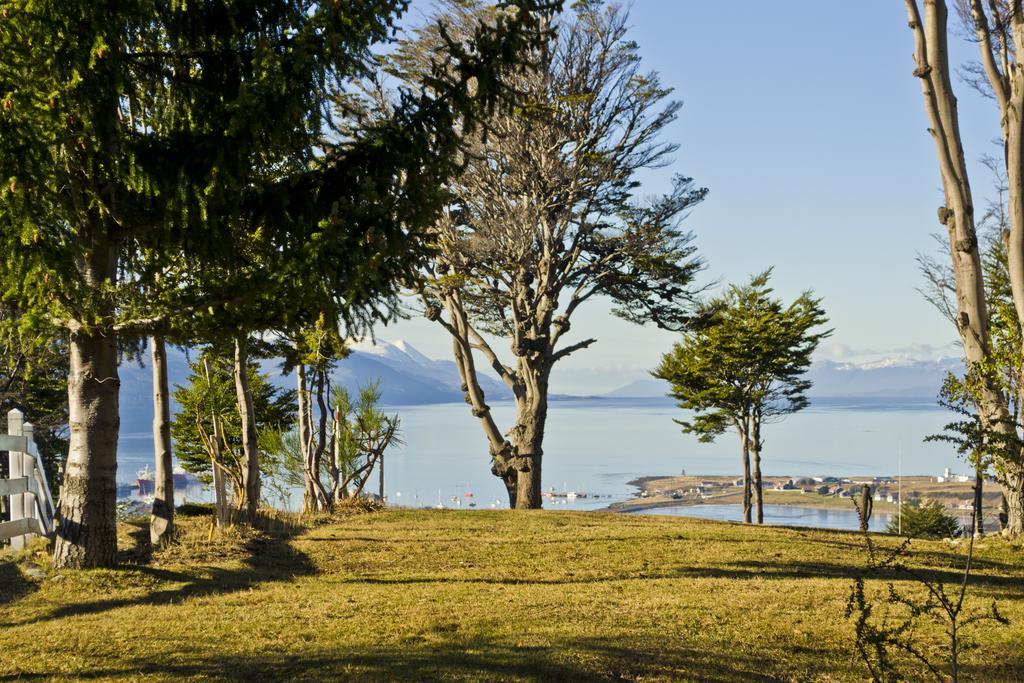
596, 446
781, 515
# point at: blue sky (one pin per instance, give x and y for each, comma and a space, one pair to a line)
803, 120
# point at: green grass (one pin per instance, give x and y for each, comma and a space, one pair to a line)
422, 595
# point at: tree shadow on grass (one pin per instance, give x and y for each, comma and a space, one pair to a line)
140, 550
13, 584
267, 558
458, 659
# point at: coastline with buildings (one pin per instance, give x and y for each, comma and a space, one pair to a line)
674, 494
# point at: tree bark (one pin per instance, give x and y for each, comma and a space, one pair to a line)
87, 534
979, 517
527, 445
758, 493
305, 437
161, 524
380, 472
865, 508
336, 495
1013, 490
220, 494
323, 500
250, 449
931, 66
502, 465
746, 479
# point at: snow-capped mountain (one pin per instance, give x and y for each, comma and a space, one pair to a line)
893, 377
886, 378
407, 377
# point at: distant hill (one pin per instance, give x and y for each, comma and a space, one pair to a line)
407, 377
641, 388
885, 379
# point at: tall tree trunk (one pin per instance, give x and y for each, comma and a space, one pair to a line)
864, 509
87, 534
758, 493
502, 464
322, 499
250, 449
931, 62
380, 472
161, 524
527, 436
745, 439
979, 517
336, 494
305, 437
220, 494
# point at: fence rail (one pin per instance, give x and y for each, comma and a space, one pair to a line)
26, 490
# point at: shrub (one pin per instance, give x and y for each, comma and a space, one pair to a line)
925, 520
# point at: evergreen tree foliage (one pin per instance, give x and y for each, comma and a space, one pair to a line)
202, 398
139, 137
924, 520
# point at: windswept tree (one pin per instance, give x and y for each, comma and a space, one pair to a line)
744, 366
998, 28
134, 135
544, 219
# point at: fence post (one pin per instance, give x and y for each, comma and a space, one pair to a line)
31, 501
16, 467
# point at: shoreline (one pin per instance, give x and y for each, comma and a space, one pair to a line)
827, 493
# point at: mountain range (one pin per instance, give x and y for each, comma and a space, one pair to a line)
891, 378
408, 377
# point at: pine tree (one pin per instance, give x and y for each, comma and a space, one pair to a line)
137, 136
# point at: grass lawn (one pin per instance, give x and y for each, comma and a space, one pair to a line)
479, 595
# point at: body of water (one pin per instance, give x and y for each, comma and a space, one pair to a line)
596, 446
780, 515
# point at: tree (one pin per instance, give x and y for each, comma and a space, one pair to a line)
361, 435
924, 520
742, 367
209, 430
543, 219
997, 28
134, 135
986, 444
311, 352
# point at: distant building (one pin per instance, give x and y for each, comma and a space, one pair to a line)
952, 477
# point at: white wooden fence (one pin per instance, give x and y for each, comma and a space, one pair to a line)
26, 489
